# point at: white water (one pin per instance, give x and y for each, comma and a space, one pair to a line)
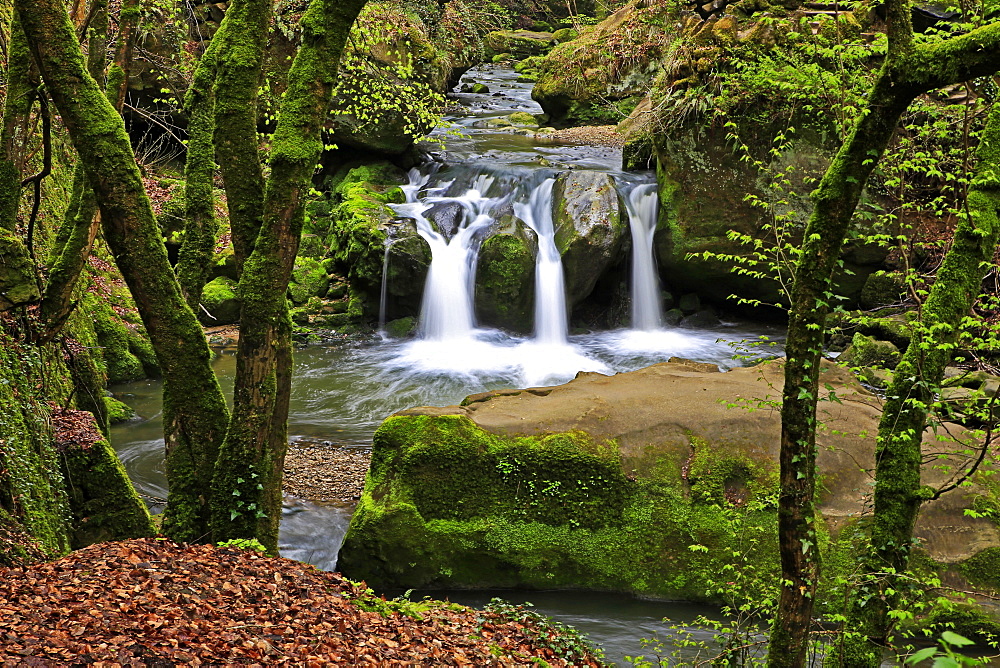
550, 290
647, 308
447, 311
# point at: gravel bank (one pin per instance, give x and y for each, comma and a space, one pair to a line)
324, 471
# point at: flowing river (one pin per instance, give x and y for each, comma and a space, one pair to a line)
342, 392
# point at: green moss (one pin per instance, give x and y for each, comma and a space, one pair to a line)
865, 351
221, 301
309, 279
104, 504
447, 503
117, 411
520, 43
400, 327
18, 283
34, 511
983, 569
505, 283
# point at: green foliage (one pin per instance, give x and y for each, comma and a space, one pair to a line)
564, 641
242, 544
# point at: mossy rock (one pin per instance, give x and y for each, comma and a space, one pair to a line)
883, 289
590, 229
409, 260
522, 119
565, 35
479, 89
593, 485
392, 50
520, 43
865, 351
400, 328
505, 281
18, 282
309, 279
220, 299
118, 411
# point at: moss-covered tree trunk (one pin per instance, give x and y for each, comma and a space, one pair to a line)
247, 500
908, 71
916, 380
240, 45
200, 226
194, 409
79, 228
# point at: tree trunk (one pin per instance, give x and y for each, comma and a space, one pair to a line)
194, 410
240, 44
247, 487
200, 226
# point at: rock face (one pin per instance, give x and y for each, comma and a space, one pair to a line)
590, 228
605, 482
520, 43
704, 186
586, 81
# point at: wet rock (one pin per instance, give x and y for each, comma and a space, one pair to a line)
705, 318
505, 280
590, 228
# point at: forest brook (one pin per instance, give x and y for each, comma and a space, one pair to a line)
499, 332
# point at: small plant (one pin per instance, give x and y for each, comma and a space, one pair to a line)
242, 544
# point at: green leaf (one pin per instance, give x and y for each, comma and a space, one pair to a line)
953, 638
922, 655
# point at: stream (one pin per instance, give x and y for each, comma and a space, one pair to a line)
342, 392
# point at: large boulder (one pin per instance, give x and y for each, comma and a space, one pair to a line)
406, 270
591, 80
520, 43
590, 226
607, 482
391, 80
505, 280
707, 191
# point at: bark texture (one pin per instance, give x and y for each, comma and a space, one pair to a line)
194, 410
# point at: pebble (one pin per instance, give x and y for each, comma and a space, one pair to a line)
323, 471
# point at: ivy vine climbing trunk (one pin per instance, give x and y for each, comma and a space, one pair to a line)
908, 71
247, 501
194, 410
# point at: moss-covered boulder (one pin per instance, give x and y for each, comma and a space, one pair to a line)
590, 226
409, 258
520, 43
221, 305
356, 230
18, 282
607, 482
391, 81
599, 77
309, 279
505, 281
865, 351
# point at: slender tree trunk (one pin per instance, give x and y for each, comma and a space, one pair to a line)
898, 455
128, 32
240, 44
200, 226
247, 500
76, 235
194, 410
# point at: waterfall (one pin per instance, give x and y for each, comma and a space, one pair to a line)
383, 297
447, 312
647, 309
550, 291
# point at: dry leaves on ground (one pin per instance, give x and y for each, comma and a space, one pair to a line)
151, 602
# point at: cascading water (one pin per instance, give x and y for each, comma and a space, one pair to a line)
550, 290
647, 308
447, 311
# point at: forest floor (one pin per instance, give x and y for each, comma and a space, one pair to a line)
152, 602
